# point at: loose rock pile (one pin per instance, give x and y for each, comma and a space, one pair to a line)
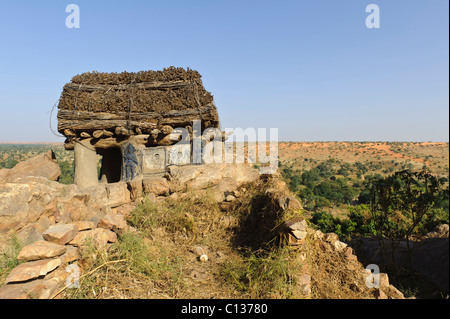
325, 261
45, 266
55, 222
359, 280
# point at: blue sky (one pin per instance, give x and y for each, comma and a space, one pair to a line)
312, 69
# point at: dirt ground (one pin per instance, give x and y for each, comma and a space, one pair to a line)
434, 155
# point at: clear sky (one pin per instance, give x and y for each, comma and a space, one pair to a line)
311, 68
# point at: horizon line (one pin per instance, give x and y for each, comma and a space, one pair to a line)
286, 141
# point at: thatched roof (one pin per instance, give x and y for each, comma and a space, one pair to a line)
134, 103
146, 91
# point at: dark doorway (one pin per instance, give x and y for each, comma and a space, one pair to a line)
111, 169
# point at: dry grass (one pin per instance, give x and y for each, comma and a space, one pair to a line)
333, 277
130, 268
8, 256
157, 259
246, 255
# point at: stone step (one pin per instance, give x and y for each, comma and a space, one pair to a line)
60, 233
41, 249
32, 270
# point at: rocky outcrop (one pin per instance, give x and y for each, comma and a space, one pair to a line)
33, 203
46, 263
315, 248
219, 180
43, 165
54, 221
26, 200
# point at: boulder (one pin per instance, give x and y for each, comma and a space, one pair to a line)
339, 245
115, 223
108, 195
289, 202
298, 223
70, 255
32, 269
379, 294
34, 289
42, 288
60, 233
99, 237
126, 209
349, 254
393, 293
206, 176
429, 256
44, 165
230, 198
331, 238
298, 234
135, 187
26, 201
75, 210
30, 234
75, 204
41, 250
176, 186
174, 196
317, 234
14, 205
383, 280
440, 231
183, 174
118, 194
156, 185
84, 225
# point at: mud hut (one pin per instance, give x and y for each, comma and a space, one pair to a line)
104, 113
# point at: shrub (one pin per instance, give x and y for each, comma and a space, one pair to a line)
336, 191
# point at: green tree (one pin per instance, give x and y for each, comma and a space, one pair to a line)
311, 178
324, 221
361, 218
10, 163
308, 198
419, 193
337, 191
294, 182
400, 203
364, 196
67, 172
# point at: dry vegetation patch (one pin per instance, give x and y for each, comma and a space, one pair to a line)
247, 256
